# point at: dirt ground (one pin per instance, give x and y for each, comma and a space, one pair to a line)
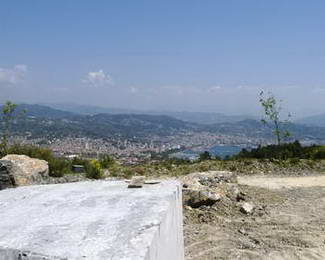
288, 222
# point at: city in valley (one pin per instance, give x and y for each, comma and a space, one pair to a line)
136, 150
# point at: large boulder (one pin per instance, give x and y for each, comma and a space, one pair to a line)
19, 170
196, 198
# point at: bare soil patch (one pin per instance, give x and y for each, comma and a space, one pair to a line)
288, 222
283, 182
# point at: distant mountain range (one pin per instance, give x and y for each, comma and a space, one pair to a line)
317, 120
254, 128
44, 121
43, 111
194, 117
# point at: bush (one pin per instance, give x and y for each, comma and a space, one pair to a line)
57, 166
294, 161
79, 161
203, 167
93, 170
31, 151
106, 161
318, 152
284, 151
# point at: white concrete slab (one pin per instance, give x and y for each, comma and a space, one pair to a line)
94, 220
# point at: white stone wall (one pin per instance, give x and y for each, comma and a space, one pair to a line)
168, 242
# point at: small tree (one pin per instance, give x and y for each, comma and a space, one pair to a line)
8, 115
8, 111
272, 110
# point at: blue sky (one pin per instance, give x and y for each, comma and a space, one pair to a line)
164, 55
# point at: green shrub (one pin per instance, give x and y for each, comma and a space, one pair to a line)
106, 161
58, 166
203, 168
319, 153
284, 152
31, 151
294, 161
93, 170
79, 161
311, 164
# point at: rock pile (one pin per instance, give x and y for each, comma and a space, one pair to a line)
209, 189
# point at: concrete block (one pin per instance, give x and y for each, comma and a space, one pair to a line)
92, 220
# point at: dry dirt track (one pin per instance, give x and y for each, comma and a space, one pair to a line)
283, 182
288, 223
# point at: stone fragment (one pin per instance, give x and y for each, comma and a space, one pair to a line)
136, 182
106, 173
242, 231
15, 254
247, 208
20, 170
232, 190
241, 196
152, 182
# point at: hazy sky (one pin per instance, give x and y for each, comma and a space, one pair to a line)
166, 55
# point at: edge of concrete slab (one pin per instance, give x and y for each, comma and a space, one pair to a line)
16, 254
159, 239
